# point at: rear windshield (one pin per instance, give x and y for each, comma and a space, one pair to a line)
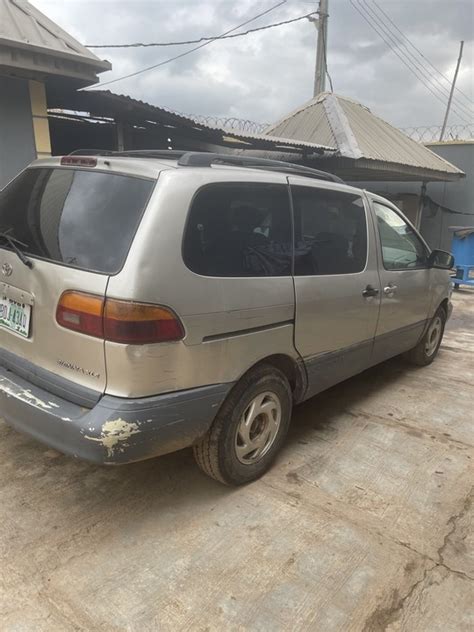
80, 218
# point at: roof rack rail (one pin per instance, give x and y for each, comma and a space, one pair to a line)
91, 152
205, 159
169, 154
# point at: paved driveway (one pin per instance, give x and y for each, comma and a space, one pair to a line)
363, 524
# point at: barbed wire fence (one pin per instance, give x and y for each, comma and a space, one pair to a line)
422, 133
230, 123
431, 133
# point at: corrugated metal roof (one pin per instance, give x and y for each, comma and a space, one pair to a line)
23, 26
274, 140
106, 103
359, 134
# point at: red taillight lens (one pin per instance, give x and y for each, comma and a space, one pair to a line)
140, 323
118, 321
81, 312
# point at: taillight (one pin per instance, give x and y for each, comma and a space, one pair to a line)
118, 321
140, 323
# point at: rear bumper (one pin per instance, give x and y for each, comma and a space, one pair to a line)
116, 430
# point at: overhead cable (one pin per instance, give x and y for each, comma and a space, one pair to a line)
204, 39
422, 80
425, 72
466, 97
187, 52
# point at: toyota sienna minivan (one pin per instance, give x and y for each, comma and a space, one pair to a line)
156, 300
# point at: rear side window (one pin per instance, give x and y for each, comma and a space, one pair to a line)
330, 232
239, 230
81, 218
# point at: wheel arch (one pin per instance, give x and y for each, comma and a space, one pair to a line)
445, 305
291, 368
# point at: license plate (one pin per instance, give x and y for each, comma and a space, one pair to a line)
15, 316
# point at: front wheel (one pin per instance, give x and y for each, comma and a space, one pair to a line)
427, 349
249, 429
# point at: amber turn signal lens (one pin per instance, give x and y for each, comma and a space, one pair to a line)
118, 321
81, 312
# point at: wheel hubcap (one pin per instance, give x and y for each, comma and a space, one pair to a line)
258, 428
433, 336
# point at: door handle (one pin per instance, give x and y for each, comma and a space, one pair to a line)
370, 291
390, 289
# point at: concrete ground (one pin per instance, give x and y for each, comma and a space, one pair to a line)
363, 523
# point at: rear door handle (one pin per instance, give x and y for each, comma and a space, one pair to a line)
390, 289
370, 291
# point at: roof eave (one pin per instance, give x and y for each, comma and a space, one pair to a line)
367, 169
39, 65
99, 65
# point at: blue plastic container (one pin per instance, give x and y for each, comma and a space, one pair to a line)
463, 251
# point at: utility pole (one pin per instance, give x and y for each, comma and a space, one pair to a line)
321, 24
451, 93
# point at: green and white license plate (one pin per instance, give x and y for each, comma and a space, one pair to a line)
15, 316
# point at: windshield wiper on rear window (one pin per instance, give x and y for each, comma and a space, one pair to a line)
16, 245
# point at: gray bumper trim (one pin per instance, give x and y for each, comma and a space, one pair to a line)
51, 382
116, 430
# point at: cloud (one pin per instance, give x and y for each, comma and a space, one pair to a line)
264, 75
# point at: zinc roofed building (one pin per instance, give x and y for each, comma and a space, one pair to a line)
35, 53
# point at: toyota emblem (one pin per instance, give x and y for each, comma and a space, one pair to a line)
7, 269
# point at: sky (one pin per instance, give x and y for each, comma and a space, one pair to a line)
264, 75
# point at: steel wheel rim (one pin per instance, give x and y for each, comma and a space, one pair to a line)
433, 336
258, 428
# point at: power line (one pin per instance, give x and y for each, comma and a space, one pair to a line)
400, 45
191, 50
428, 77
413, 64
468, 99
421, 78
204, 39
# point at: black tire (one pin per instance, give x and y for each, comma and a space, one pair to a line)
216, 453
424, 353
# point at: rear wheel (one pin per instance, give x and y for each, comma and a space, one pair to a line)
249, 429
427, 349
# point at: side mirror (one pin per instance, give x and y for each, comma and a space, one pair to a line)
441, 259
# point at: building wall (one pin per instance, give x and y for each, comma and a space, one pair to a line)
24, 130
456, 195
452, 203
17, 140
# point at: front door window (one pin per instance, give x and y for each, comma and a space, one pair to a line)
401, 247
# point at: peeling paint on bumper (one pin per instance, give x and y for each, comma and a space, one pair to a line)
116, 430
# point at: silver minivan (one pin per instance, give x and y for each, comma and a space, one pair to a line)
156, 300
